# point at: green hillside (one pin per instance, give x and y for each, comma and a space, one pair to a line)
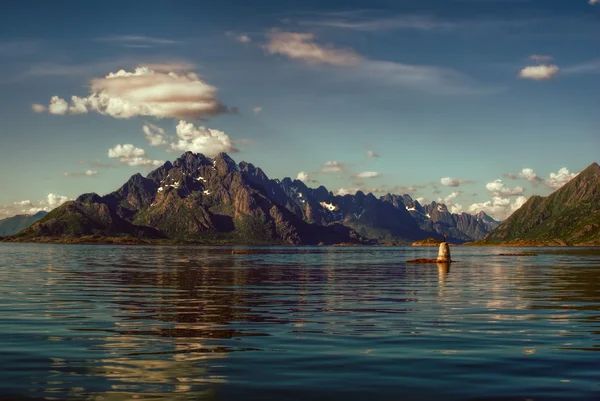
571, 214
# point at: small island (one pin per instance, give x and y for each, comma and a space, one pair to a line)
428, 242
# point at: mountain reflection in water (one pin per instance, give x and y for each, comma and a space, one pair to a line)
119, 322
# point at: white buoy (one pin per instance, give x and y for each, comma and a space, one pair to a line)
444, 253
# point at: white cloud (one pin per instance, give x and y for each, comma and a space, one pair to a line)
448, 199
257, 109
38, 108
302, 46
243, 39
58, 106
375, 190
456, 208
497, 188
78, 105
592, 2
155, 136
557, 180
86, 173
409, 189
452, 182
31, 207
530, 175
347, 191
132, 156
145, 92
53, 201
370, 154
200, 139
302, 176
449, 202
330, 167
498, 207
539, 72
368, 174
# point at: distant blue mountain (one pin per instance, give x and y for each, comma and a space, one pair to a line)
13, 225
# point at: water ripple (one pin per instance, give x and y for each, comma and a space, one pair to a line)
141, 322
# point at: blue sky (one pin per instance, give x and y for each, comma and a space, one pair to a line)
468, 91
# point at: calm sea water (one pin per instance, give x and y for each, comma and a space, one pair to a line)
201, 323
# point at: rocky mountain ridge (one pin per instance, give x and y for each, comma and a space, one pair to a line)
198, 198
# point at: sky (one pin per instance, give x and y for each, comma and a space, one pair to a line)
479, 104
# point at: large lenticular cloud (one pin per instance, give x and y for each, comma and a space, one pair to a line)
145, 92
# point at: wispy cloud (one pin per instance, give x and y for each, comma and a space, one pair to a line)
137, 40
86, 173
368, 174
303, 47
589, 67
331, 167
366, 22
541, 58
242, 38
411, 189
96, 164
19, 48
38, 108
97, 67
375, 21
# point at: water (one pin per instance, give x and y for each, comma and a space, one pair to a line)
197, 323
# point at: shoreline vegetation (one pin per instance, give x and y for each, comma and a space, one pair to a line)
129, 240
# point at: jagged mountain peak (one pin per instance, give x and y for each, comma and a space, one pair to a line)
191, 161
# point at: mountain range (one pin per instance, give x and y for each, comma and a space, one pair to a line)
217, 200
14, 224
569, 216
